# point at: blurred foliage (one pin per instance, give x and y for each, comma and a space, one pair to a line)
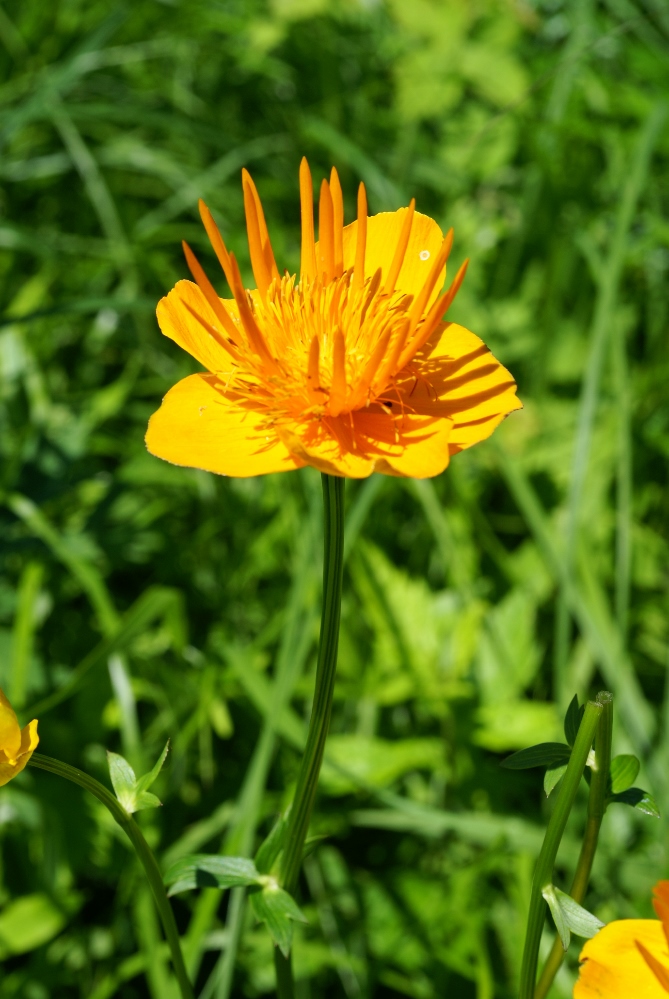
475, 605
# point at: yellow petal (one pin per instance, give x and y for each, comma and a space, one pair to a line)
613, 967
366, 441
180, 325
421, 451
197, 426
464, 382
383, 233
10, 733
28, 743
327, 446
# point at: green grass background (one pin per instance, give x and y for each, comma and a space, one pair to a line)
161, 602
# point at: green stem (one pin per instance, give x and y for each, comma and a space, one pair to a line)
305, 792
596, 809
142, 849
543, 875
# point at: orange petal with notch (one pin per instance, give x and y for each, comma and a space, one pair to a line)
467, 384
612, 966
383, 233
197, 426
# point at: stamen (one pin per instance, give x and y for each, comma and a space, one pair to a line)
313, 372
373, 288
266, 243
338, 208
248, 320
371, 367
209, 292
433, 318
389, 366
326, 232
361, 241
258, 262
338, 389
400, 250
308, 256
418, 306
216, 241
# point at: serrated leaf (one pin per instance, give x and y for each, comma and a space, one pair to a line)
552, 778
123, 780
579, 920
272, 845
637, 798
624, 771
546, 754
277, 909
145, 782
561, 926
210, 871
572, 720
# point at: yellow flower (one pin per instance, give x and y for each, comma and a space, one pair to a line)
629, 958
351, 369
17, 745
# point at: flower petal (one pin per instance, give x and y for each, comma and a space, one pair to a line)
460, 379
10, 733
29, 741
359, 443
180, 325
420, 451
613, 967
383, 232
197, 426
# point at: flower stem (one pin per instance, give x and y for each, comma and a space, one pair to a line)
142, 849
596, 809
305, 792
543, 875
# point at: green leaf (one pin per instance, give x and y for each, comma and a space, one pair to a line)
546, 754
131, 792
123, 780
572, 719
624, 771
145, 799
210, 871
552, 778
277, 909
145, 782
272, 845
636, 798
561, 926
578, 920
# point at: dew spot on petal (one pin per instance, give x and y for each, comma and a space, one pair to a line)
424, 254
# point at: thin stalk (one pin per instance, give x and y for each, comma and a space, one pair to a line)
543, 875
305, 792
142, 849
596, 809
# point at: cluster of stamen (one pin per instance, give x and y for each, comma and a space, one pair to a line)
337, 340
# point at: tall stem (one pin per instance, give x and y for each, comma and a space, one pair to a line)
143, 851
543, 875
305, 792
596, 809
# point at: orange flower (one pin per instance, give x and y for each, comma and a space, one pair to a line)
16, 745
629, 957
351, 369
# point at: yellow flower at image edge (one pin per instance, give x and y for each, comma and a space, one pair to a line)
17, 744
629, 958
351, 369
